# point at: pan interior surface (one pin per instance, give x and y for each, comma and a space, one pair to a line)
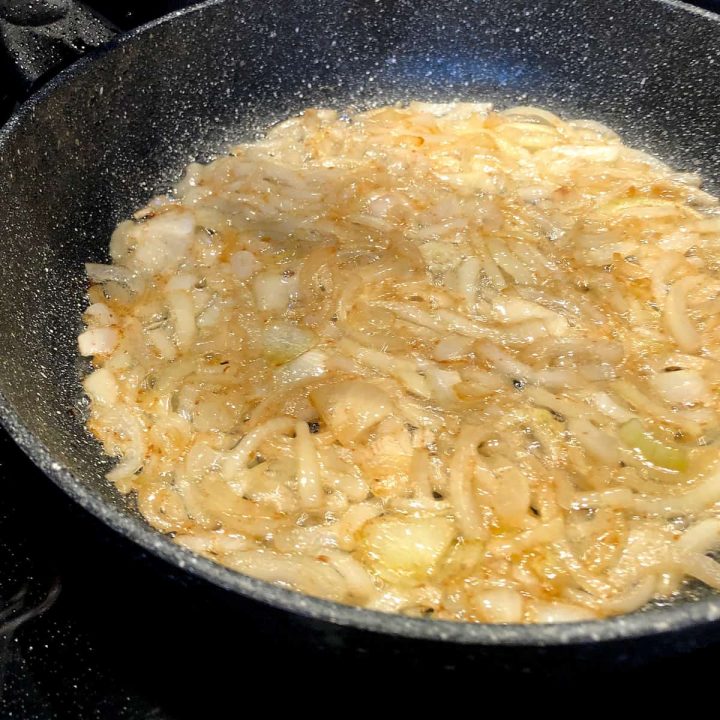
115, 130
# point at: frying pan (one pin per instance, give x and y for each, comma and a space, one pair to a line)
120, 124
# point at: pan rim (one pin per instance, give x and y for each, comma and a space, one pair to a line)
653, 622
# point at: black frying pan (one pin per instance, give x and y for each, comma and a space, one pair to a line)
94, 143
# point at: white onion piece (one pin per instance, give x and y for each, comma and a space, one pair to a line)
559, 612
162, 243
662, 268
131, 429
598, 443
598, 373
467, 280
351, 408
702, 416
244, 264
273, 291
99, 315
638, 595
515, 310
681, 387
558, 378
614, 498
162, 343
499, 605
440, 257
676, 318
217, 543
454, 111
310, 540
452, 347
504, 362
283, 341
511, 500
99, 273
308, 365
98, 341
463, 494
632, 599
406, 548
700, 566
404, 369
493, 273
707, 225
509, 262
442, 382
606, 405
182, 310
701, 537
184, 281
299, 573
707, 492
102, 387
359, 583
236, 461
353, 520
542, 534
308, 468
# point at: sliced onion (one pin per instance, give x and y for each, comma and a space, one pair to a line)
559, 612
705, 493
98, 341
511, 499
308, 473
606, 405
598, 443
182, 310
499, 605
283, 341
109, 273
682, 387
102, 387
162, 243
273, 291
452, 347
308, 365
652, 449
99, 315
351, 408
676, 317
244, 264
406, 548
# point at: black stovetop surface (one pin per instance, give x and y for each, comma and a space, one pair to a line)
88, 630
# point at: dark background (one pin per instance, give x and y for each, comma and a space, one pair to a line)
119, 639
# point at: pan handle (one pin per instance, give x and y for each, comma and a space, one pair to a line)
40, 38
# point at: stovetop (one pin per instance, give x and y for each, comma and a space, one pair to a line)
90, 631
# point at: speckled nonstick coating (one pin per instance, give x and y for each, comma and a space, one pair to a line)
119, 126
